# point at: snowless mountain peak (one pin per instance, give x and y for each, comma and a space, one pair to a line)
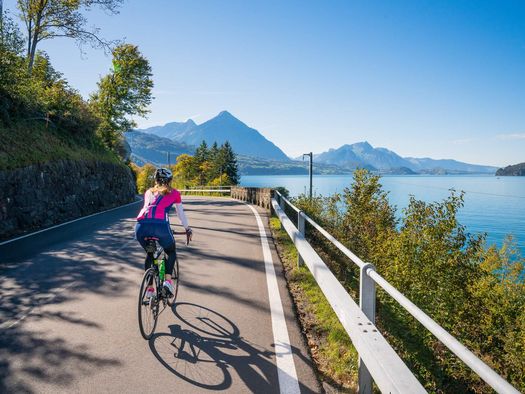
223, 127
225, 114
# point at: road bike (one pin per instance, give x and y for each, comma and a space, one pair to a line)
149, 308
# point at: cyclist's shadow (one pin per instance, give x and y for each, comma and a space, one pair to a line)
203, 354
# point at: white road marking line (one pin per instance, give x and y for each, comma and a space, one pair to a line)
288, 382
63, 224
47, 298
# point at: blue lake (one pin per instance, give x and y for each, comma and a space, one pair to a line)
493, 205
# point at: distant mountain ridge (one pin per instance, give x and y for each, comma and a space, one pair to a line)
170, 130
513, 170
257, 151
150, 148
223, 127
362, 154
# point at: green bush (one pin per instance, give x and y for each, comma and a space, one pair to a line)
475, 292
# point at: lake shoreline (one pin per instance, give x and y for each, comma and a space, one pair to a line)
493, 205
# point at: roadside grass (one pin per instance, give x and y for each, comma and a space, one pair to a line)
29, 142
333, 353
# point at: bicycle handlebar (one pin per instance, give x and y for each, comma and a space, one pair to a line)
188, 237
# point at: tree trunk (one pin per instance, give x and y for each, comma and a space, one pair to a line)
34, 40
29, 35
32, 54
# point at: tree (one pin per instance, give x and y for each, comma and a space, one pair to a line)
11, 64
10, 36
202, 153
125, 92
369, 218
46, 19
145, 178
214, 151
185, 171
228, 163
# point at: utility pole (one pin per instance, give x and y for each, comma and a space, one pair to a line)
169, 161
310, 170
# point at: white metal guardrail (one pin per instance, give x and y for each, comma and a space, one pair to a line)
226, 191
377, 359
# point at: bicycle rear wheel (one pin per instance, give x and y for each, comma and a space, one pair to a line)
148, 308
175, 277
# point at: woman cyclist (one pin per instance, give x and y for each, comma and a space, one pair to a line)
153, 221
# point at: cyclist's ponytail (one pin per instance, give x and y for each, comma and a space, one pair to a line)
162, 189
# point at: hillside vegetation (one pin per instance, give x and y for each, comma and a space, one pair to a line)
475, 292
43, 118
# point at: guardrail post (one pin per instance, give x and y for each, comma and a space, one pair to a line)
367, 303
301, 228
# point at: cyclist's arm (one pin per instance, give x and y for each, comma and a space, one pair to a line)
182, 215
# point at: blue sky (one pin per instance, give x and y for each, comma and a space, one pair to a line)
443, 79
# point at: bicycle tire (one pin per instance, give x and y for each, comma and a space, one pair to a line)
148, 312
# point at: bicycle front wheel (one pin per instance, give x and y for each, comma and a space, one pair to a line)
148, 307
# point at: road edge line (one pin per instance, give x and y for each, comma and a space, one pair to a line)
65, 223
286, 371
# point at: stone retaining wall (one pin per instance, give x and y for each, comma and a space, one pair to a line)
43, 195
253, 195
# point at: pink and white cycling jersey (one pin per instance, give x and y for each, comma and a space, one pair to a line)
156, 206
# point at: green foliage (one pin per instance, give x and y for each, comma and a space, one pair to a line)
284, 191
145, 178
29, 142
185, 171
10, 36
63, 124
226, 162
125, 92
215, 166
474, 292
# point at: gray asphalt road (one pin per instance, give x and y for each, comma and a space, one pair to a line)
68, 310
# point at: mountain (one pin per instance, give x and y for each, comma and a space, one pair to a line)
170, 130
362, 154
257, 152
224, 127
256, 166
515, 170
150, 148
426, 164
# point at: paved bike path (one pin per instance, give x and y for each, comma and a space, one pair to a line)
68, 312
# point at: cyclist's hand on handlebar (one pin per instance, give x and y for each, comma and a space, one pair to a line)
189, 235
